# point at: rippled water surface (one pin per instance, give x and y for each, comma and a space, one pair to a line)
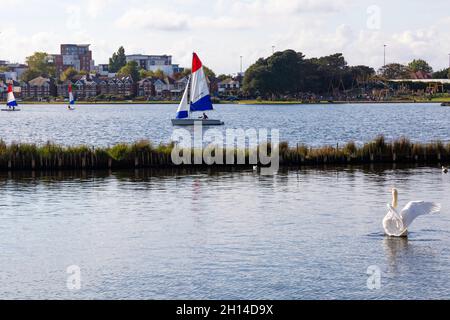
307, 234
310, 124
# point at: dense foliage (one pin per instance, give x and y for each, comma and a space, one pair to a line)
39, 64
289, 73
118, 60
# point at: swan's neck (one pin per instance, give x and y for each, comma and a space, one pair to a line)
395, 199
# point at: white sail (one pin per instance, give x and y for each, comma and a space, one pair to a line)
183, 108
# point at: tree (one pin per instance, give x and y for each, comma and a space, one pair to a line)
420, 65
159, 74
29, 74
395, 71
39, 65
118, 60
362, 73
209, 73
222, 77
131, 69
442, 74
288, 73
284, 73
68, 74
186, 72
146, 74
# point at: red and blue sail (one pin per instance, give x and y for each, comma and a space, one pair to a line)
71, 98
200, 97
11, 100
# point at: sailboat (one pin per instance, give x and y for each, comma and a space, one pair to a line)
71, 98
11, 100
196, 98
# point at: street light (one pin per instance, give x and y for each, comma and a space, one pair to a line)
241, 64
273, 49
385, 54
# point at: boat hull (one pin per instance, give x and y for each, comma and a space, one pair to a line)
191, 122
445, 104
10, 110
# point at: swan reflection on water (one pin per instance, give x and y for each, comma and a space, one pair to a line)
406, 255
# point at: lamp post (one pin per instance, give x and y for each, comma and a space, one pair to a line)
385, 55
273, 49
241, 64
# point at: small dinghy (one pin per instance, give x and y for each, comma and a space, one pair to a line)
71, 99
11, 100
196, 98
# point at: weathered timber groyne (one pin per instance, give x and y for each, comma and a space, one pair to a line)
143, 154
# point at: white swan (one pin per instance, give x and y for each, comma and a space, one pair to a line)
396, 224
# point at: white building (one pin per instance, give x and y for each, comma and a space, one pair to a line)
154, 63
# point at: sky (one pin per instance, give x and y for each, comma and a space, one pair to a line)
221, 31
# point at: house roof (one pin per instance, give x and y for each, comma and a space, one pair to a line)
421, 75
228, 81
422, 80
39, 81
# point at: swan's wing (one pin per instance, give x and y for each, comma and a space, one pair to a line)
416, 209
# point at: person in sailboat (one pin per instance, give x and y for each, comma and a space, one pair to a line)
205, 117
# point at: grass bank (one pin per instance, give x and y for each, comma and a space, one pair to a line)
144, 154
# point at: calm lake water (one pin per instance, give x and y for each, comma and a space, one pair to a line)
311, 124
307, 234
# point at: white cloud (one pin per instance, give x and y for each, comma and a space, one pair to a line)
284, 7
95, 7
153, 19
223, 30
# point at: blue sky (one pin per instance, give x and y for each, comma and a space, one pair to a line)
223, 30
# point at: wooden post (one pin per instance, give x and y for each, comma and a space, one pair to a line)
109, 163
33, 163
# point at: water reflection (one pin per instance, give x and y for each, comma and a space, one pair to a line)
395, 249
180, 233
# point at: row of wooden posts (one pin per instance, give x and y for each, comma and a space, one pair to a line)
163, 160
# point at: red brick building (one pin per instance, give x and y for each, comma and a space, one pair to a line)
77, 56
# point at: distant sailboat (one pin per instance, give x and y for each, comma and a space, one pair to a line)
71, 98
11, 100
197, 99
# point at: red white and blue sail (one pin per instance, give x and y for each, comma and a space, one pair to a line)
71, 98
200, 97
11, 100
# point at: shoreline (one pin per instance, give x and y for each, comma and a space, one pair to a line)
143, 154
242, 102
